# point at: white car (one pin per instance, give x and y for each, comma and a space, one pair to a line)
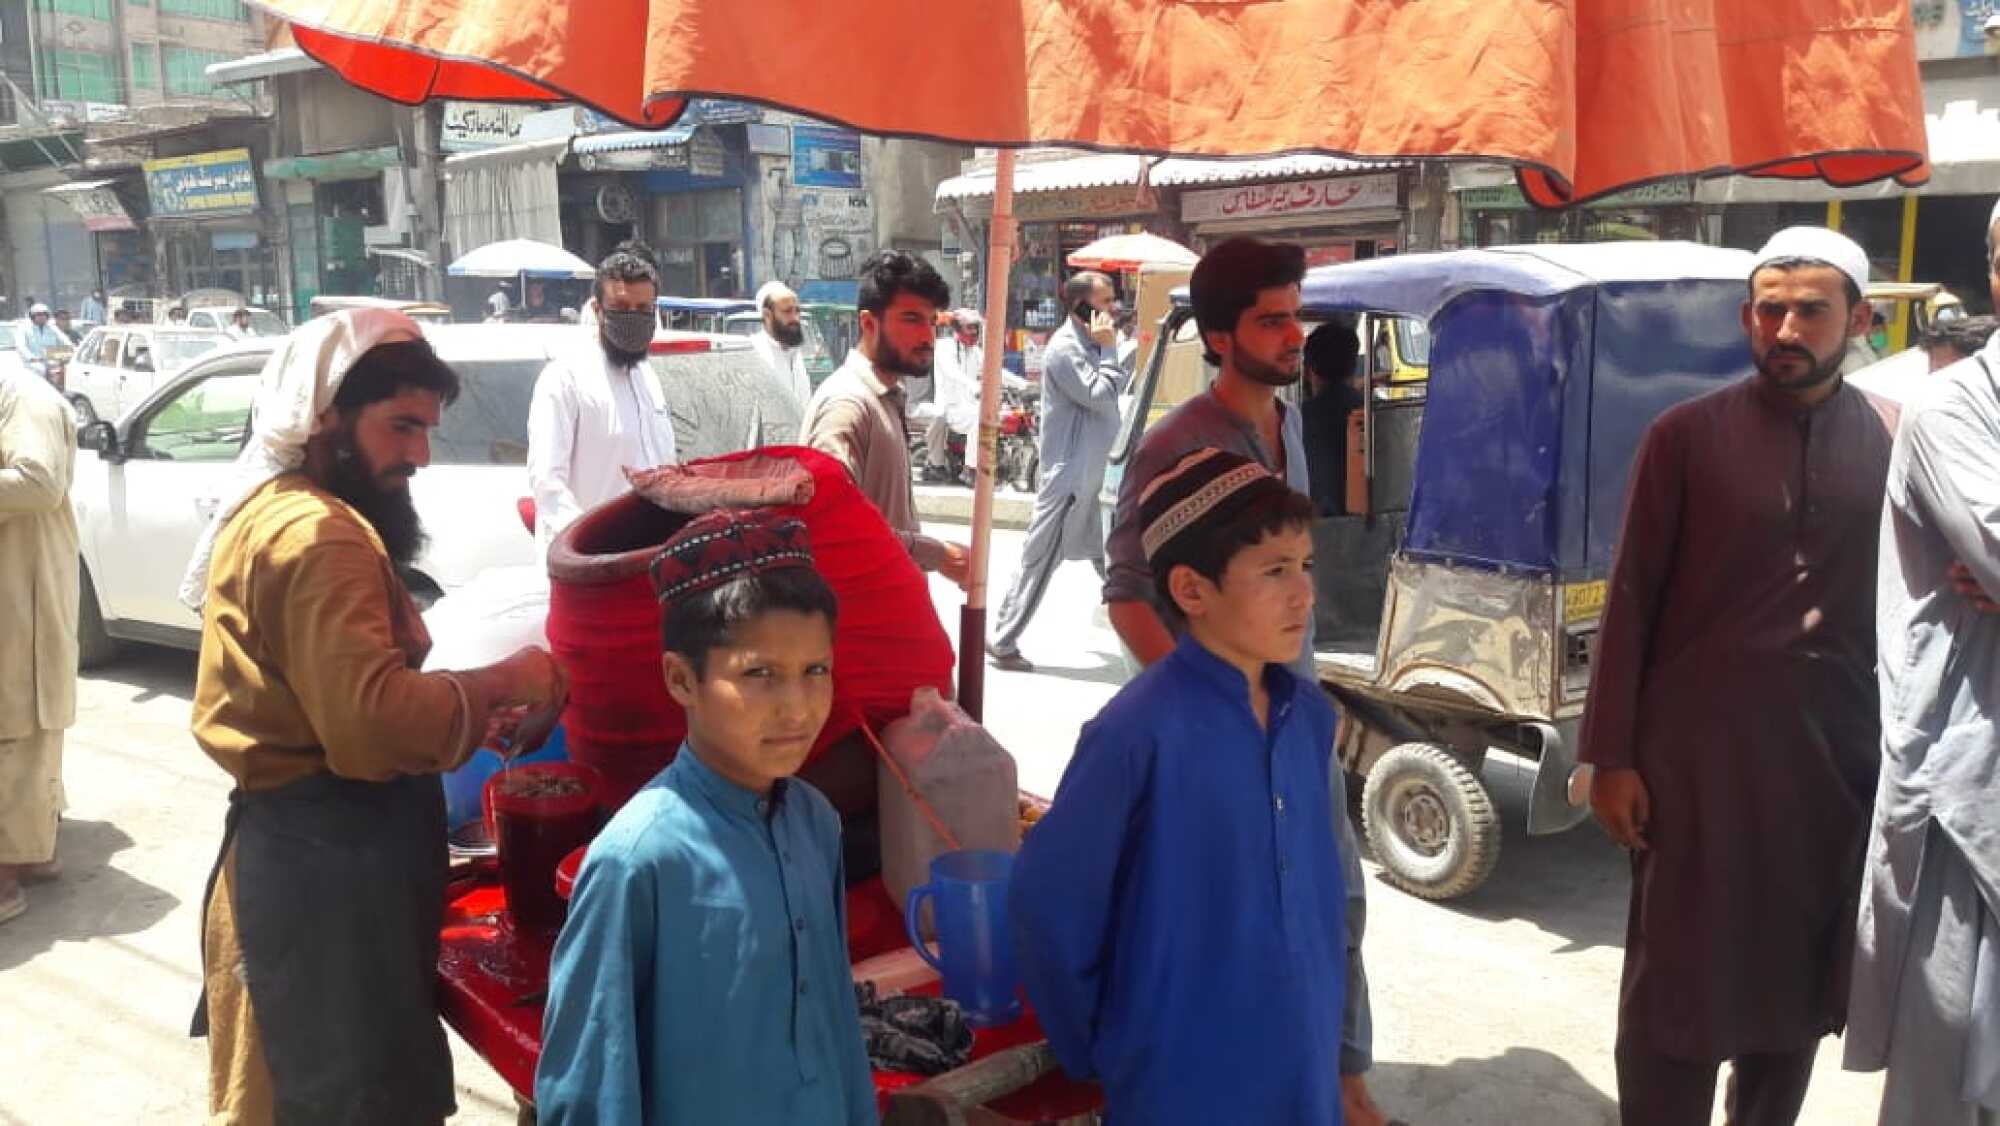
118, 366
147, 486
222, 318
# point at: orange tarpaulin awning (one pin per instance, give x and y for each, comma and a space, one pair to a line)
1585, 96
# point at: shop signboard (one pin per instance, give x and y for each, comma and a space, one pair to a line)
769, 140
97, 205
824, 157
472, 126
1082, 203
1333, 194
1953, 29
209, 183
706, 155
839, 233
1665, 193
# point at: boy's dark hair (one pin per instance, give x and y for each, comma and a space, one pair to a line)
709, 619
1228, 279
1797, 263
888, 273
387, 370
629, 261
1209, 553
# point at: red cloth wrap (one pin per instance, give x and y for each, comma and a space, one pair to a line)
604, 625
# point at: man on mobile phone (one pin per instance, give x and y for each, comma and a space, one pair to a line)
1081, 381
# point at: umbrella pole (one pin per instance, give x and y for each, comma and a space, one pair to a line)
972, 619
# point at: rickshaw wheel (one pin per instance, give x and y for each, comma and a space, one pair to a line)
1430, 821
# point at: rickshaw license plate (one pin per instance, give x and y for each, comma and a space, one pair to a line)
1583, 601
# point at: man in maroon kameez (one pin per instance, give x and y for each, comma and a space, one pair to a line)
1732, 719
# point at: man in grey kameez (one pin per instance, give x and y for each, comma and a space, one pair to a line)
1081, 382
1926, 996
1732, 719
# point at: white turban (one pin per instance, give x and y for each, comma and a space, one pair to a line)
299, 383
771, 292
1820, 245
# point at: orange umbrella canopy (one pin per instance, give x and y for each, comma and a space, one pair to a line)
1585, 96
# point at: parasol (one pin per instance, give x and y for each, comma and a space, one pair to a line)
1117, 253
514, 257
1584, 98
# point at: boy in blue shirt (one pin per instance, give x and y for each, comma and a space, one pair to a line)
1180, 913
702, 975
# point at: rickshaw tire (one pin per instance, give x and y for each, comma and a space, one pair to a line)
1426, 782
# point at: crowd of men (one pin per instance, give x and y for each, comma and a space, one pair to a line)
1789, 722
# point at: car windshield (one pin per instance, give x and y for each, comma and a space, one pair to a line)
263, 322
488, 424
171, 352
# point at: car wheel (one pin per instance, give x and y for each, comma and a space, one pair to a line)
95, 647
85, 413
1430, 821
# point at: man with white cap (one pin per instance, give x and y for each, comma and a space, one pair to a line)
1732, 721
320, 926
781, 345
955, 395
1926, 995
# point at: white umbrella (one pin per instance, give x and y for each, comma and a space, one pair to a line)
1117, 253
518, 256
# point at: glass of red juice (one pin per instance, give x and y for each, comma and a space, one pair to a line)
540, 813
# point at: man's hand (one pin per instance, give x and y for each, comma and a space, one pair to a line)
538, 682
1966, 584
1357, 1106
956, 564
1103, 330
1619, 799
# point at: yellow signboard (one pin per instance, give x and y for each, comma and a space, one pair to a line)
1583, 601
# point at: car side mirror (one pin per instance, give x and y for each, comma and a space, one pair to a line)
101, 438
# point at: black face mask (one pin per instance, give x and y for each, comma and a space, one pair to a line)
627, 334
391, 511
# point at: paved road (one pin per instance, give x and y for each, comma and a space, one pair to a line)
1497, 1008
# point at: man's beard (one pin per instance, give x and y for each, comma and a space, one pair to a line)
791, 336
1818, 371
1268, 374
619, 357
888, 358
388, 509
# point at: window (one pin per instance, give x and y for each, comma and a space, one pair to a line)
187, 69
206, 422
92, 9
81, 76
145, 66
232, 10
107, 350
488, 425
173, 351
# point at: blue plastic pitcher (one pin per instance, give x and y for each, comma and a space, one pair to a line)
975, 956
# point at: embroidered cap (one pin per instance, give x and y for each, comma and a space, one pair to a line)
724, 545
1202, 488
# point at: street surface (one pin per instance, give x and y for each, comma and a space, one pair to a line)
1498, 1008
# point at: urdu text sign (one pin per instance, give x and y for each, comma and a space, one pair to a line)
209, 183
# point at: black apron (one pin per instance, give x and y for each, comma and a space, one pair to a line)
339, 897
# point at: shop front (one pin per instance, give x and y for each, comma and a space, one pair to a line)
208, 231
123, 257
333, 201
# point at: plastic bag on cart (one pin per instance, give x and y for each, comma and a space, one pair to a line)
966, 777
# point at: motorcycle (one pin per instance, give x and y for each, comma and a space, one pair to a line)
54, 366
1018, 447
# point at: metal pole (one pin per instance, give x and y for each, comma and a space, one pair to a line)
972, 620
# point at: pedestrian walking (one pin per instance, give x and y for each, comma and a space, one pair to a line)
38, 611
781, 342
1927, 959
1082, 378
1732, 719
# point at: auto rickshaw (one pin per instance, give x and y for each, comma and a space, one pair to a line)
1461, 576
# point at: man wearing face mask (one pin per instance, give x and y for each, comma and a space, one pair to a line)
1732, 722
860, 414
599, 409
